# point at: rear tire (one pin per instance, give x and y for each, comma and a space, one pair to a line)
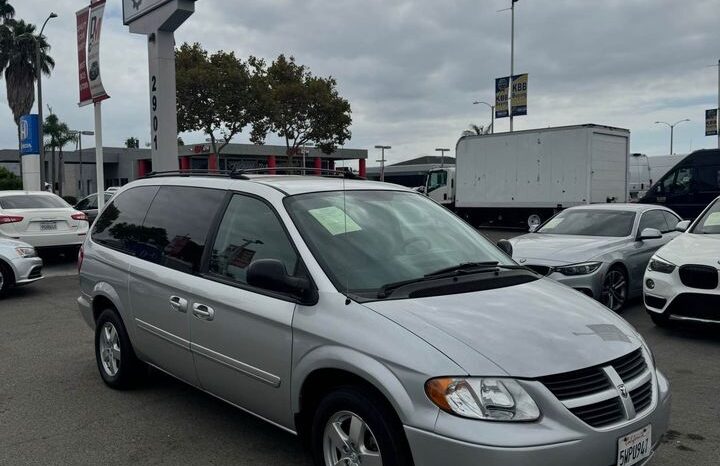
381, 432
119, 367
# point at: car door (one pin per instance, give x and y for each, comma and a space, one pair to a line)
163, 275
242, 336
642, 250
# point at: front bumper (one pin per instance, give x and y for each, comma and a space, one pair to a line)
27, 270
551, 441
669, 296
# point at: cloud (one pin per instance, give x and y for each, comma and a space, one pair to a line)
411, 69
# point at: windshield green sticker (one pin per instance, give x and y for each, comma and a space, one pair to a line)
335, 220
713, 220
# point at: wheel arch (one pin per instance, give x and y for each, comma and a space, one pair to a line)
7, 266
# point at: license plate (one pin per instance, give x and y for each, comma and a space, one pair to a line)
47, 226
635, 447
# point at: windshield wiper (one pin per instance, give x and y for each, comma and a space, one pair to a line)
460, 269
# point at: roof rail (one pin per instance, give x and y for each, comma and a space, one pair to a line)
190, 172
242, 173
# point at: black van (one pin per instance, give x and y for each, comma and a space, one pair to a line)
690, 185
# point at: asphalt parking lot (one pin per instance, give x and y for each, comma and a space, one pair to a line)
54, 409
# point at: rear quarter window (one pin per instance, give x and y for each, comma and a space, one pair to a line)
118, 225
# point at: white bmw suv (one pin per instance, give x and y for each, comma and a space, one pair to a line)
682, 278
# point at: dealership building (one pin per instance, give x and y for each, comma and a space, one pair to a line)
124, 165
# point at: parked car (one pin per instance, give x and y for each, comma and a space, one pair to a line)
19, 264
41, 219
601, 250
681, 281
366, 318
89, 205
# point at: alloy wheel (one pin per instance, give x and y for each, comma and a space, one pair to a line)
109, 343
348, 441
614, 291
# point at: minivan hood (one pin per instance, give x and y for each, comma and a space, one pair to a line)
690, 248
529, 330
561, 249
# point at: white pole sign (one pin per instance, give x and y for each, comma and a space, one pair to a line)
158, 20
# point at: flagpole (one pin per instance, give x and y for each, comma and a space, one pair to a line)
99, 161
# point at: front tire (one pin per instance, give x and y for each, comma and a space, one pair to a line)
6, 278
614, 294
358, 426
119, 367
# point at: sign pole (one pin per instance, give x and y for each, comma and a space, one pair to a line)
718, 107
512, 61
99, 161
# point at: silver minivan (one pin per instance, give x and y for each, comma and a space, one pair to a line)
367, 319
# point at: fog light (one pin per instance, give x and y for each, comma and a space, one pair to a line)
650, 283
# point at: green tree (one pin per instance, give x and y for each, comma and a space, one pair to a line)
8, 180
301, 108
180, 141
7, 12
57, 136
214, 94
477, 130
18, 49
132, 143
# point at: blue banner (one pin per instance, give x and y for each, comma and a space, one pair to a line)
29, 133
501, 97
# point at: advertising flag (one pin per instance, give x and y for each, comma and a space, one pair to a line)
82, 31
501, 97
519, 95
711, 122
97, 9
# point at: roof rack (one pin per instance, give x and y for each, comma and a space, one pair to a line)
241, 173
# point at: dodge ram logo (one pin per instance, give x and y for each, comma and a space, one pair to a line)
623, 390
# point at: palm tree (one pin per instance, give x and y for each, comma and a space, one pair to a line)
18, 53
7, 12
58, 135
475, 129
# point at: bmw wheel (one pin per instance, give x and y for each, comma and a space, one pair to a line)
615, 288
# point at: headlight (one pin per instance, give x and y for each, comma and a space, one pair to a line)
579, 269
26, 252
486, 399
658, 265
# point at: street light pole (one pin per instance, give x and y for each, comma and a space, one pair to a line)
672, 130
80, 134
512, 62
442, 156
492, 114
41, 136
382, 161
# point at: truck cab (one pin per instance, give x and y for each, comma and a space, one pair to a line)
440, 185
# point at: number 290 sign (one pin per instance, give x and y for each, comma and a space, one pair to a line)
134, 9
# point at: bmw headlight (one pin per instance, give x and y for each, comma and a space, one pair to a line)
26, 252
578, 269
659, 265
488, 399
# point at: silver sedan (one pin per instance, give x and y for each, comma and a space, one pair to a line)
19, 264
601, 250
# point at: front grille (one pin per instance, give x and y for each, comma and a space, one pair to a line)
543, 270
655, 302
600, 414
36, 272
696, 305
642, 397
630, 366
699, 276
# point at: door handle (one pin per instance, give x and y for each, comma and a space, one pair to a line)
178, 304
204, 312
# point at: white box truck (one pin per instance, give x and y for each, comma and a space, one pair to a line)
523, 178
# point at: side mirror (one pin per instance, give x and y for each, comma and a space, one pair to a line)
270, 274
420, 189
650, 233
683, 226
533, 228
505, 246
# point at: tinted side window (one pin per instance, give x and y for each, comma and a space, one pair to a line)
176, 227
709, 178
671, 220
123, 217
249, 231
653, 219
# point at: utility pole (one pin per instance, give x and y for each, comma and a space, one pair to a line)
442, 156
382, 161
512, 62
672, 130
492, 114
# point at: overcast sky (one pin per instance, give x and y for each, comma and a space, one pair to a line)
411, 69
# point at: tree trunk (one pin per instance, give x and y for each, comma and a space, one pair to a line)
61, 173
20, 156
52, 170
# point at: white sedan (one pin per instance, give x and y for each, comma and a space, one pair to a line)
682, 281
41, 219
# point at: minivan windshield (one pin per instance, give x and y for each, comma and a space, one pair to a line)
709, 223
365, 240
590, 222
